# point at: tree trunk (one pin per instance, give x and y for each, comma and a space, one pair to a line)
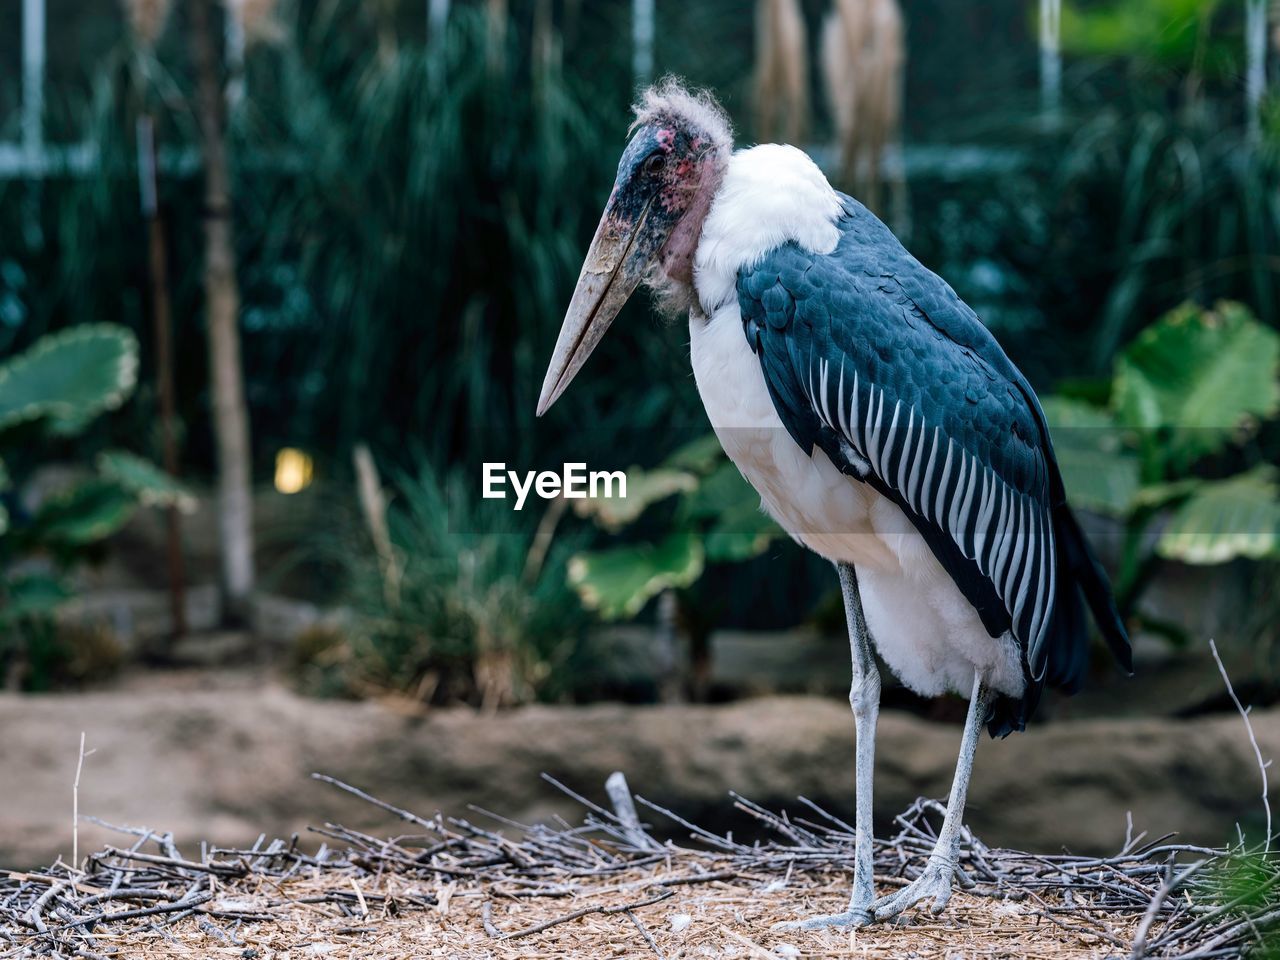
222, 311
162, 324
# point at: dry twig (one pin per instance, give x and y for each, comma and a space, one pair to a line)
456, 873
1248, 725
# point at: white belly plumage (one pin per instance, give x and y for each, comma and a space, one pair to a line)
922, 626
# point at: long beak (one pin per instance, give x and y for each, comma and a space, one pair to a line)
609, 276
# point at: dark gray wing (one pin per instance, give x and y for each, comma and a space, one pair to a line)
875, 360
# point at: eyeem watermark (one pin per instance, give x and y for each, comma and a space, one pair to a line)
573, 482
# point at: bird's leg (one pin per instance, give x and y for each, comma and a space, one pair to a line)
864, 697
943, 865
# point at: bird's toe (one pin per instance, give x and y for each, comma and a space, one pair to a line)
940, 901
850, 919
934, 883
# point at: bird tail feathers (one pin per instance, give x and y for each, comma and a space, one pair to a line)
1087, 573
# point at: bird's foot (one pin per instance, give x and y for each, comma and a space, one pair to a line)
851, 919
934, 882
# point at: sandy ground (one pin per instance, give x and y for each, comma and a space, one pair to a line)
226, 762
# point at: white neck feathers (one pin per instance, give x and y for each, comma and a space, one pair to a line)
771, 195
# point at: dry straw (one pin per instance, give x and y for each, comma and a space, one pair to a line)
147, 19
863, 54
257, 20
782, 72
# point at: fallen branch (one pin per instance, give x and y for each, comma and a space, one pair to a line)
586, 912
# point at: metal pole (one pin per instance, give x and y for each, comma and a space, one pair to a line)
1255, 48
33, 158
642, 29
1050, 55
233, 37
437, 19
33, 55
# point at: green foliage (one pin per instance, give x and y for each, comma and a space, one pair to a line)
1223, 519
1099, 470
474, 608
1191, 381
1244, 886
1166, 454
1107, 221
717, 519
31, 597
145, 481
1167, 210
56, 388
69, 378
618, 583
81, 515
644, 487
1166, 33
419, 250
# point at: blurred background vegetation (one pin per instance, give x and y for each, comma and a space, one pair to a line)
411, 188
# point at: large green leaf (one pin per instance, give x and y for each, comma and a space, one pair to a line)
722, 492
697, 456
1099, 472
644, 487
31, 595
1198, 376
151, 485
728, 508
83, 514
619, 582
1155, 495
1225, 519
70, 377
740, 535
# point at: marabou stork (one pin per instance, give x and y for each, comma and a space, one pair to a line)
882, 425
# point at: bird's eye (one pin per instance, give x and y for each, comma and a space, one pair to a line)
654, 163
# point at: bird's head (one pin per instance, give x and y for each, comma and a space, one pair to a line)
669, 172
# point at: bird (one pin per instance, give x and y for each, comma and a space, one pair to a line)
881, 423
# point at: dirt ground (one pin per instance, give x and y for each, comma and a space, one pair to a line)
223, 757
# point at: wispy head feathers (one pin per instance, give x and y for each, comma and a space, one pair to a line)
671, 101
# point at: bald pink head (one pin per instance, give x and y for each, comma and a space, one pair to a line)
667, 178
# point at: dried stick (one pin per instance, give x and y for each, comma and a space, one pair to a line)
75, 806
1170, 884
586, 912
171, 907
753, 948
373, 503
1257, 751
644, 932
223, 869
382, 804
624, 806
35, 913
